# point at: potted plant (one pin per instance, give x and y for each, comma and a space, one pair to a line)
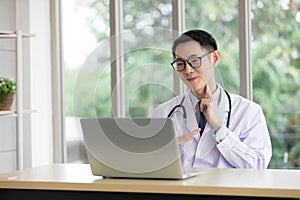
7, 92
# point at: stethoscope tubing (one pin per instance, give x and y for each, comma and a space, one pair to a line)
229, 113
180, 105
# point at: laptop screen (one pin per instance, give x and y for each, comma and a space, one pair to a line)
131, 145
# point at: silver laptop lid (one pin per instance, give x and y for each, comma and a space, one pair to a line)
132, 147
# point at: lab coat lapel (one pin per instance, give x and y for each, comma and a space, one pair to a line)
191, 117
223, 107
207, 143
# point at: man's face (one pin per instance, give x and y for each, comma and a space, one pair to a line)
195, 78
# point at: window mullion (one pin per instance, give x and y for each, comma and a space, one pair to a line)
245, 49
117, 60
178, 26
59, 140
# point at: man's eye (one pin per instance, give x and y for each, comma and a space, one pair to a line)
179, 63
194, 60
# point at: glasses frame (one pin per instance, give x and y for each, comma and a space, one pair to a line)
187, 61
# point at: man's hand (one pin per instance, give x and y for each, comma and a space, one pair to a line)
209, 104
187, 137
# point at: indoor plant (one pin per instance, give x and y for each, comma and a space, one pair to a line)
7, 92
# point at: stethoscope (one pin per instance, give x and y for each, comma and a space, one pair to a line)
180, 105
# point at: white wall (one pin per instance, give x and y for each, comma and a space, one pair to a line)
31, 16
8, 148
41, 97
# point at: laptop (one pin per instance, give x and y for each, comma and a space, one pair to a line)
133, 148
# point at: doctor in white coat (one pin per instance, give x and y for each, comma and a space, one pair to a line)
235, 134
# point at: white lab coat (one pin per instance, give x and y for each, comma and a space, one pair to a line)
247, 144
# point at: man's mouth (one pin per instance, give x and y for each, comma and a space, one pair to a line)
191, 79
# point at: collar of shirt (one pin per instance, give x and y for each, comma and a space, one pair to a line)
216, 95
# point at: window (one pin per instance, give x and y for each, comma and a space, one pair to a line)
276, 61
220, 18
147, 39
147, 77
86, 70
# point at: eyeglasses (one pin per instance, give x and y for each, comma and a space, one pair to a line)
195, 62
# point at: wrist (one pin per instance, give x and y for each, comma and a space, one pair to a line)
221, 134
217, 125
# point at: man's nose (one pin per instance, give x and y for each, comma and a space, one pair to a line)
188, 68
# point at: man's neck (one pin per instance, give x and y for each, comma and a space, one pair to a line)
212, 87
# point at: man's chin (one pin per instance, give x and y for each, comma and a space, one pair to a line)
195, 87
198, 90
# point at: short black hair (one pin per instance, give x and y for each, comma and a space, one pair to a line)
204, 38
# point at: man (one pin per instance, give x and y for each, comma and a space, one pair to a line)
214, 128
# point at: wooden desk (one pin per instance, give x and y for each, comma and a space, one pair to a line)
75, 181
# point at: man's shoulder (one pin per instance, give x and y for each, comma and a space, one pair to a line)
172, 101
166, 106
239, 100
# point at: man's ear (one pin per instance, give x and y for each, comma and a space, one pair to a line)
216, 56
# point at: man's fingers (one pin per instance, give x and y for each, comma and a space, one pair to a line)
190, 135
208, 94
205, 102
186, 137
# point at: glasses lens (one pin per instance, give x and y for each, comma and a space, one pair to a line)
195, 62
179, 65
